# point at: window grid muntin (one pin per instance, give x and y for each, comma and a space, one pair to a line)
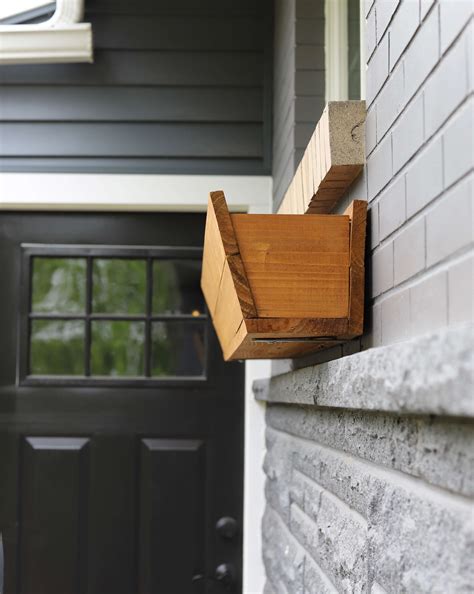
30, 251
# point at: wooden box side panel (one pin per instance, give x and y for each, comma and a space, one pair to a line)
228, 317
357, 212
213, 261
297, 267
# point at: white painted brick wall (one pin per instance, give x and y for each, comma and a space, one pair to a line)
420, 166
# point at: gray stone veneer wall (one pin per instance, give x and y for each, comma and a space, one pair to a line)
370, 457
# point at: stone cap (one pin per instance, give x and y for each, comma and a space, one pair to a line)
430, 374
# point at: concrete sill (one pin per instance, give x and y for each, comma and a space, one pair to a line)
430, 374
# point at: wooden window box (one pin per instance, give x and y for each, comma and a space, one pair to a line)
280, 286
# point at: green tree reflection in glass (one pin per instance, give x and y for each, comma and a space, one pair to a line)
119, 286
59, 285
117, 348
57, 347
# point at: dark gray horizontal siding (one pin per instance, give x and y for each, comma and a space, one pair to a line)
298, 94
150, 104
176, 87
119, 67
135, 139
140, 165
164, 32
178, 7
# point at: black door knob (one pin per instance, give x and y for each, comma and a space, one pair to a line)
226, 527
225, 574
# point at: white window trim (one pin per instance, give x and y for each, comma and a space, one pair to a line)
336, 48
363, 50
60, 39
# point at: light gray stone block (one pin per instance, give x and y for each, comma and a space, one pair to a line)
283, 556
315, 580
409, 251
430, 374
334, 537
419, 538
437, 450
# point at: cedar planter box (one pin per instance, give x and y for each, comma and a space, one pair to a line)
280, 286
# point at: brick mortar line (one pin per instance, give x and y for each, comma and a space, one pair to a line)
441, 57
417, 216
424, 146
395, 478
323, 571
426, 139
337, 501
439, 267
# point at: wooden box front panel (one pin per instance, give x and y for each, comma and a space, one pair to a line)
296, 266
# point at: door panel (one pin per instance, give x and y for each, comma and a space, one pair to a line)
172, 518
53, 514
115, 486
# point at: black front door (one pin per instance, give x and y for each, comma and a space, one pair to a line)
121, 429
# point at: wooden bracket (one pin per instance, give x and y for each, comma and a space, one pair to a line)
334, 157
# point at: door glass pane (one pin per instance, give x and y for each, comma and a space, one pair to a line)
58, 285
57, 347
118, 286
178, 349
117, 348
176, 287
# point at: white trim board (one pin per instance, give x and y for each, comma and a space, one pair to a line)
123, 192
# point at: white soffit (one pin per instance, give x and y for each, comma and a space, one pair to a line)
60, 39
131, 192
